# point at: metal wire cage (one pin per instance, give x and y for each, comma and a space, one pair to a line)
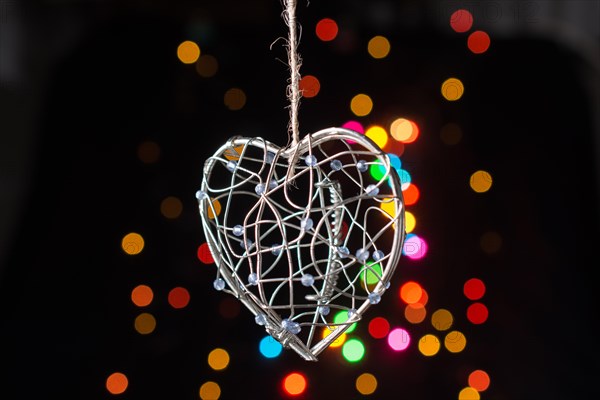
305, 233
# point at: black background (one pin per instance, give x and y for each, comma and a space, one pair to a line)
527, 117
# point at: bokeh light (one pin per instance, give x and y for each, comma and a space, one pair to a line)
377, 134
377, 171
442, 319
145, 323
361, 105
405, 178
353, 350
410, 221
218, 359
415, 313
341, 317
477, 313
468, 393
404, 130
204, 254
474, 289
328, 330
309, 86
171, 207
480, 181
354, 126
379, 327
455, 341
207, 66
366, 384
398, 339
490, 242
411, 194
132, 243
269, 347
188, 52
411, 292
294, 384
479, 380
452, 89
142, 295
326, 29
429, 345
117, 383
371, 274
379, 47
178, 297
210, 391
461, 20
451, 134
234, 99
478, 42
148, 152
414, 247
215, 210
389, 207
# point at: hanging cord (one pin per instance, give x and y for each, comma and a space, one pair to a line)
294, 62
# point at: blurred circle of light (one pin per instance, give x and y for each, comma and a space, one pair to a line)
269, 347
215, 209
210, 391
398, 339
379, 47
294, 384
429, 345
229, 307
353, 350
411, 292
328, 330
326, 29
361, 105
474, 289
451, 134
480, 181
479, 380
178, 297
377, 171
379, 327
411, 194
218, 359
148, 152
366, 384
354, 126
117, 383
424, 297
461, 21
388, 206
395, 161
452, 89
371, 273
415, 313
188, 52
377, 134
405, 179
207, 66
414, 247
442, 319
478, 42
404, 130
204, 254
234, 99
341, 317
410, 221
171, 207
132, 243
477, 313
309, 86
468, 393
142, 295
490, 242
455, 341
145, 323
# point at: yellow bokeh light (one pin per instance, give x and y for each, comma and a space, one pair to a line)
481, 181
379, 47
442, 319
188, 52
339, 340
366, 383
455, 341
132, 243
377, 134
210, 391
429, 345
218, 359
361, 105
452, 89
410, 221
207, 66
215, 210
235, 99
469, 393
171, 207
145, 323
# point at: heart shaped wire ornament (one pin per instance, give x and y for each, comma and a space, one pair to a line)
302, 233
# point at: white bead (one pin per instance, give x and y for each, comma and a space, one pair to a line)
238, 230
231, 165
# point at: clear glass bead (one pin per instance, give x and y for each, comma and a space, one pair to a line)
310, 160
336, 165
362, 254
352, 312
253, 279
272, 184
291, 326
260, 319
324, 310
307, 280
238, 230
378, 255
276, 249
306, 224
231, 165
374, 298
201, 195
219, 284
270, 157
372, 190
343, 251
247, 244
362, 166
260, 189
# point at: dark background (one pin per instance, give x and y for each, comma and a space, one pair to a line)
85, 82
